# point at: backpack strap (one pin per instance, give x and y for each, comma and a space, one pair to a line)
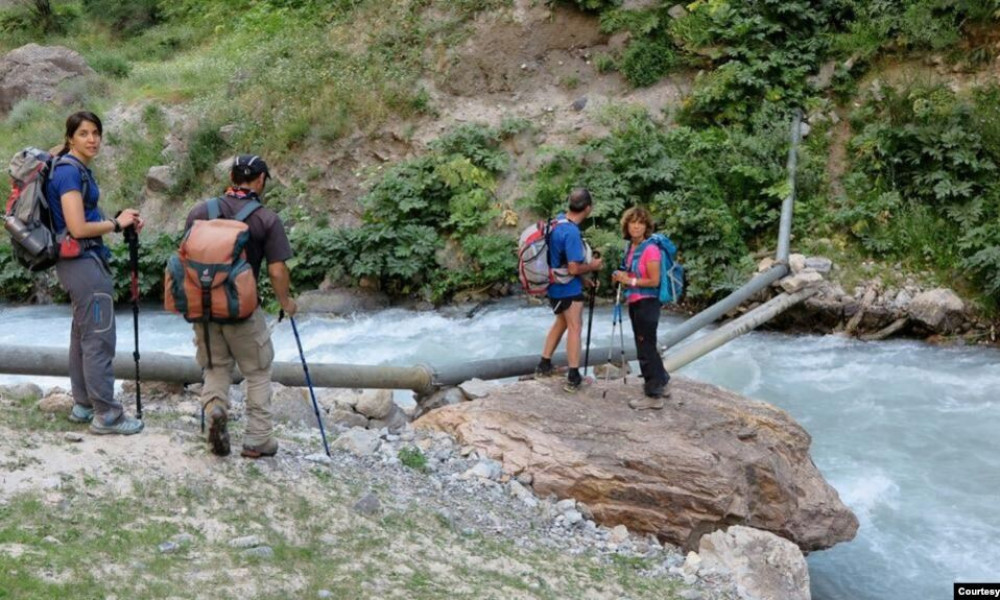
68, 159
213, 208
247, 210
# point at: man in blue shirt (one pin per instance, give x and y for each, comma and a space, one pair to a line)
568, 258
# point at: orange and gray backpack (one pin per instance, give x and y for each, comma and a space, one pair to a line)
209, 278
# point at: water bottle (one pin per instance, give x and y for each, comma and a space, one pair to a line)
33, 239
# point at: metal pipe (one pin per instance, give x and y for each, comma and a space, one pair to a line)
734, 329
159, 366
785, 229
722, 307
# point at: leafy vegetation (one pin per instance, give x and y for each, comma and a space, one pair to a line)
923, 187
921, 161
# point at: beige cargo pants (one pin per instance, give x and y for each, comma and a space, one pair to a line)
248, 344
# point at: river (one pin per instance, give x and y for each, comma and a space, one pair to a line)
904, 431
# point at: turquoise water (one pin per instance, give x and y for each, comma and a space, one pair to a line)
907, 433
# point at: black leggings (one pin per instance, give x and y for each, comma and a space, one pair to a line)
645, 317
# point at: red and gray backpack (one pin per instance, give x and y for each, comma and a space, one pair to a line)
533, 266
27, 217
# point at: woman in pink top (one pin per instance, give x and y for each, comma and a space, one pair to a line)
641, 276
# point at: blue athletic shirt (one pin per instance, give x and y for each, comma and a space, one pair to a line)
565, 246
67, 177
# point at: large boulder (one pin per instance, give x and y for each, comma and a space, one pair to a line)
35, 72
763, 566
709, 460
940, 310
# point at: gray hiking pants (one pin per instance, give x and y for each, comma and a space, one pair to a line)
92, 335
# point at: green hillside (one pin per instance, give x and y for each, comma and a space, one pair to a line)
900, 164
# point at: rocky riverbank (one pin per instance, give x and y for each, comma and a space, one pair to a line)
457, 489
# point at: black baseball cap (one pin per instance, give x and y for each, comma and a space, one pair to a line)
249, 166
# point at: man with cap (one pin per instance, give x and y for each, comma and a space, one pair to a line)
246, 343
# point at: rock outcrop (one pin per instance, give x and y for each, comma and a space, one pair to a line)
34, 72
709, 460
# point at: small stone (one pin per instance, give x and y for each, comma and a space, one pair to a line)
360, 442
249, 541
182, 539
168, 548
796, 262
324, 594
573, 517
485, 469
263, 552
580, 103
566, 505
820, 264
375, 404
369, 504
56, 403
72, 436
619, 534
319, 458
523, 494
474, 389
677, 11
692, 563
51, 540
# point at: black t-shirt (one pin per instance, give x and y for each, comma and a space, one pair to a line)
267, 233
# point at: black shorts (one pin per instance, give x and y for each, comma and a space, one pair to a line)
559, 305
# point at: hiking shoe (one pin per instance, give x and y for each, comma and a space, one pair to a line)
646, 403
573, 384
544, 370
218, 433
124, 426
81, 414
268, 448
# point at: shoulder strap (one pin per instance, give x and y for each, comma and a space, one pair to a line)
212, 204
247, 210
67, 159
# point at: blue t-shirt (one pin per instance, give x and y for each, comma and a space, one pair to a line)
68, 177
565, 246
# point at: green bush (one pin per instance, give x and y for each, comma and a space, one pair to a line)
112, 65
923, 186
413, 458
647, 60
124, 18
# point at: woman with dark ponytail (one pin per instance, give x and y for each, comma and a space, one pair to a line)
83, 271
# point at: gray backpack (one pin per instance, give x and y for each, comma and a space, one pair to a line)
27, 219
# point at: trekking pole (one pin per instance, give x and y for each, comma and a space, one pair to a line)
305, 367
614, 323
590, 326
132, 237
621, 338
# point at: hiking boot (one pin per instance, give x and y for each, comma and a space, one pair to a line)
218, 433
268, 448
123, 426
646, 403
573, 383
544, 369
81, 414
